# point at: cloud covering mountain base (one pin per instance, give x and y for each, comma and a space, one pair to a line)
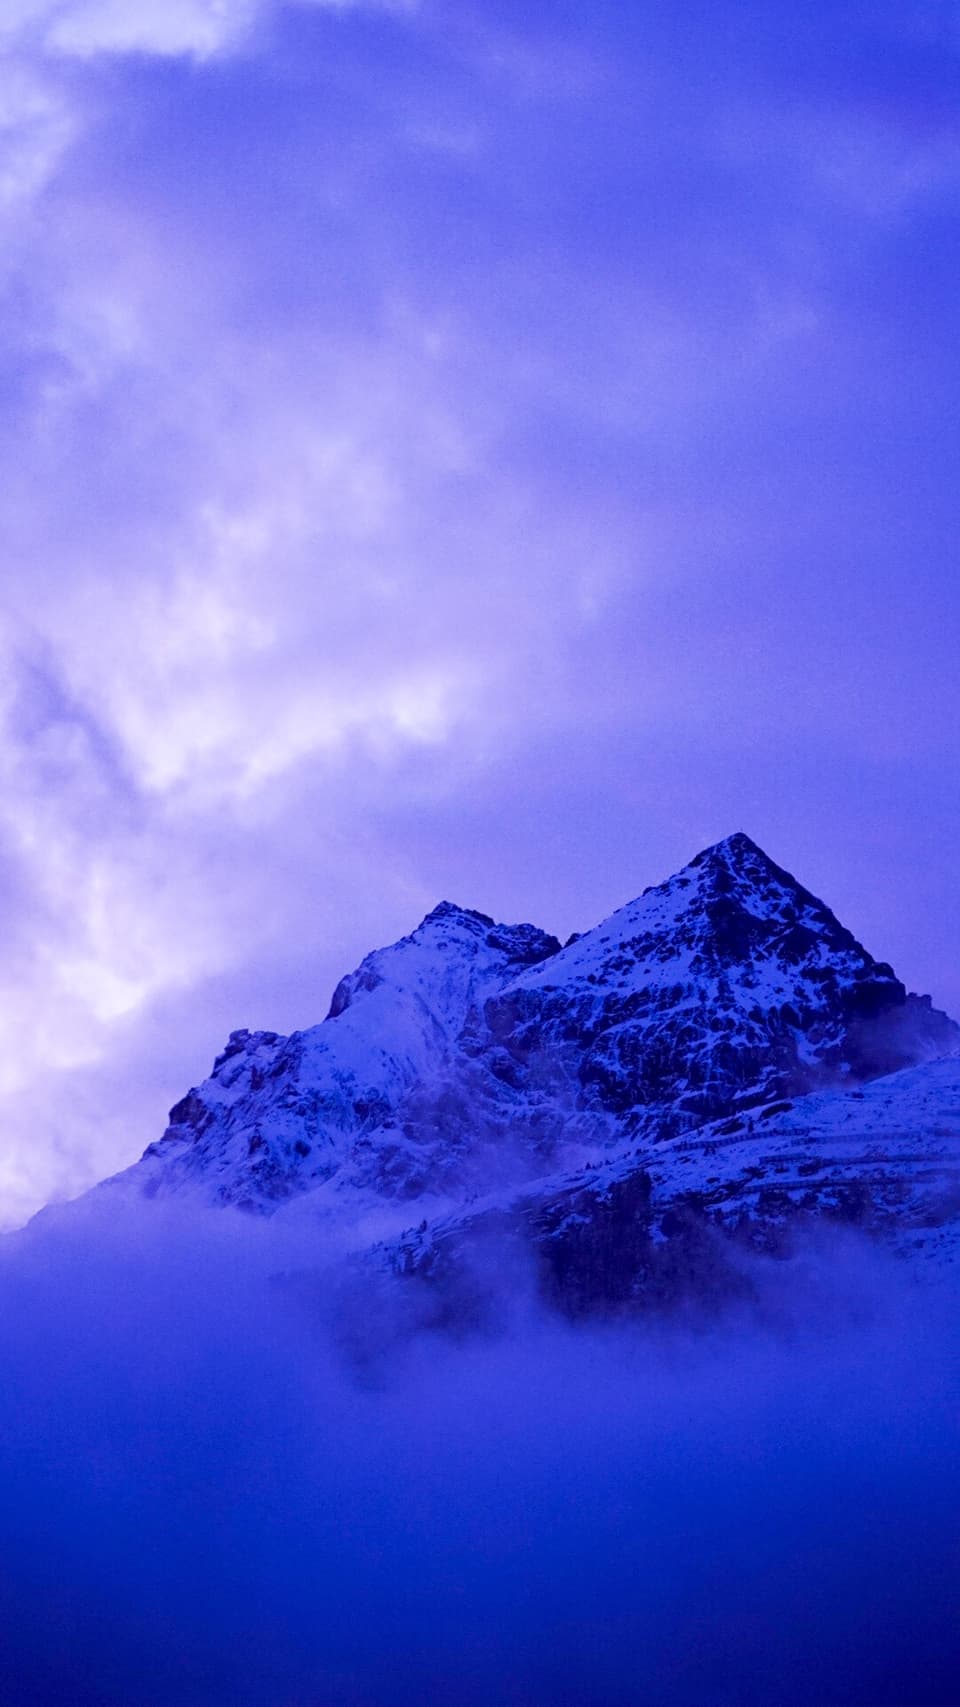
203, 1502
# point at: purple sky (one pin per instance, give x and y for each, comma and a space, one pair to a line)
454, 450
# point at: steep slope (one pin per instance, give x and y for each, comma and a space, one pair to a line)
728, 986
664, 1223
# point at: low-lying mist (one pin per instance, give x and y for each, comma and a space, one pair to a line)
204, 1501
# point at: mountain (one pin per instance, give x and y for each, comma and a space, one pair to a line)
376, 1089
726, 987
475, 1063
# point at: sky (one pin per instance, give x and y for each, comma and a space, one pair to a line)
454, 451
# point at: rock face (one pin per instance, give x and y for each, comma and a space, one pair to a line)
724, 988
476, 1070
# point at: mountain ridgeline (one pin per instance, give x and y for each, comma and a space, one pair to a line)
681, 1074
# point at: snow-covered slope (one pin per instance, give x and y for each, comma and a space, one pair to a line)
471, 1062
281, 1115
669, 1218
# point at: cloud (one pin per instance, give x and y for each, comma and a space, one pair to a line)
202, 1501
199, 29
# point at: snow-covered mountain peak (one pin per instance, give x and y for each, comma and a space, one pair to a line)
738, 853
455, 957
448, 912
281, 1115
738, 873
469, 1051
728, 985
731, 915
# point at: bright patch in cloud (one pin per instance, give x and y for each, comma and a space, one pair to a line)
36, 128
169, 28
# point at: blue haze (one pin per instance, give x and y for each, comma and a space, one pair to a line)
202, 1501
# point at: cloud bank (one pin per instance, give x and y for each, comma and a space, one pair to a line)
201, 1501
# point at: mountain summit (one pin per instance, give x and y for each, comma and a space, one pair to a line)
473, 1056
727, 986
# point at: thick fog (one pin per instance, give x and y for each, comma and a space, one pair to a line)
208, 1497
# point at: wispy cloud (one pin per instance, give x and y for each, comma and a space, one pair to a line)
199, 29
